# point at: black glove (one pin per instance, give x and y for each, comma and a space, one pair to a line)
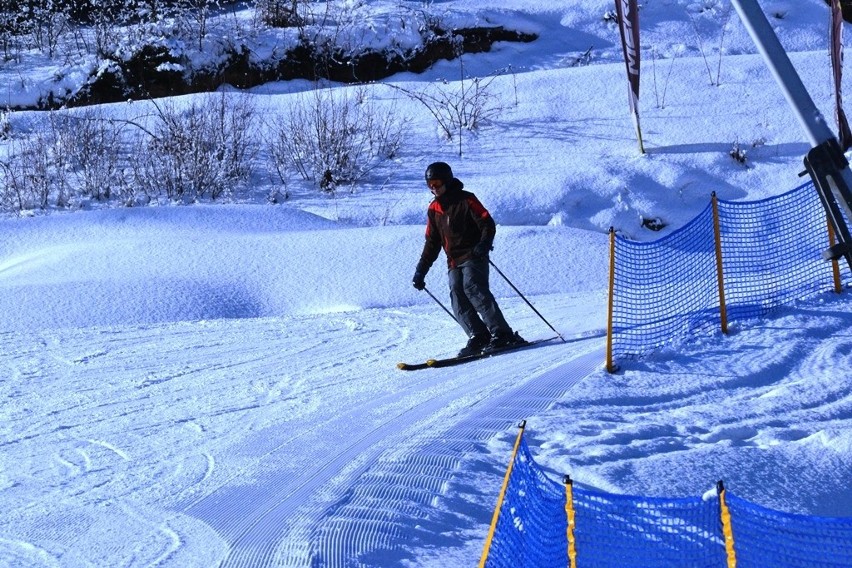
419, 280
481, 249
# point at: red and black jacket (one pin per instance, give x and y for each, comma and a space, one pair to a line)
456, 222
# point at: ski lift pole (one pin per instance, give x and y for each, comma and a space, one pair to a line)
779, 64
825, 162
437, 301
500, 272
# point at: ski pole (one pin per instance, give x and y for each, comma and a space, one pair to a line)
524, 299
440, 304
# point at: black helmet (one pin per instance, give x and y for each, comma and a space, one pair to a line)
439, 170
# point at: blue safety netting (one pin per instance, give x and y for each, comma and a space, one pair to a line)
764, 538
664, 289
624, 530
612, 530
771, 255
772, 251
531, 528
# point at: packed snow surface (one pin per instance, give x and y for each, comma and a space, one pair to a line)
216, 385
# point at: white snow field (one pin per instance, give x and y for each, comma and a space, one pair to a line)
216, 384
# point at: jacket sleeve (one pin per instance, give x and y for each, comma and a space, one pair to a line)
483, 219
432, 246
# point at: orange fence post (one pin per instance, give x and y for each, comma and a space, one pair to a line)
569, 515
610, 365
717, 232
727, 529
487, 548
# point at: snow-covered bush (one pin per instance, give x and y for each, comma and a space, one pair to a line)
69, 158
279, 13
30, 176
5, 125
332, 137
460, 106
738, 153
203, 150
95, 145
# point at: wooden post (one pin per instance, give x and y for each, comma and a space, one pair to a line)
717, 233
610, 364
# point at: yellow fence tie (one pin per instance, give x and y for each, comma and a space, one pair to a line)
501, 496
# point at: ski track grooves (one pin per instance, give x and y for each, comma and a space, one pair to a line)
283, 516
351, 532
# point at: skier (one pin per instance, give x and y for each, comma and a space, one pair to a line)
458, 222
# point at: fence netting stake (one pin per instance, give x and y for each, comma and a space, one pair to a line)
569, 515
727, 529
720, 276
493, 528
610, 364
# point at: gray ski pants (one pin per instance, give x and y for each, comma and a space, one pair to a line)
473, 303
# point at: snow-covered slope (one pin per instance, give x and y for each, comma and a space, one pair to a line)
215, 384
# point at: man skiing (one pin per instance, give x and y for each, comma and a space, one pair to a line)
459, 223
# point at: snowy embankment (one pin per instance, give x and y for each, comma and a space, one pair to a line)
140, 266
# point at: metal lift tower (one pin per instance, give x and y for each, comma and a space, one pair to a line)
825, 162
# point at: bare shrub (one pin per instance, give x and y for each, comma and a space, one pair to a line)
193, 18
104, 30
67, 157
50, 22
203, 150
12, 28
333, 137
713, 9
5, 125
279, 13
460, 106
29, 176
96, 154
661, 99
11, 186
